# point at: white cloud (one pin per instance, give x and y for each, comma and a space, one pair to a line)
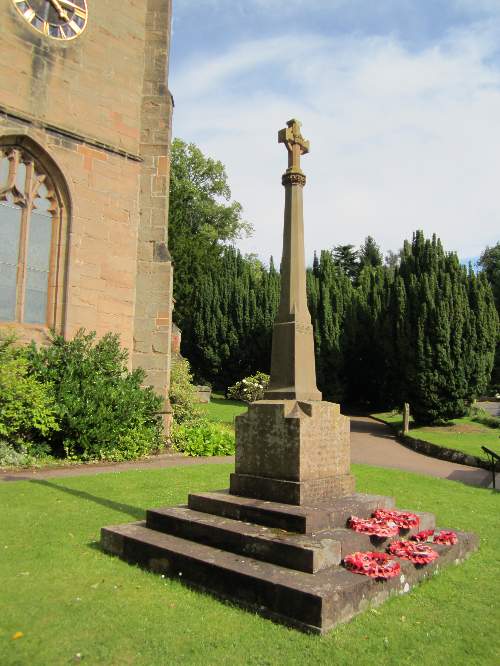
197, 78
400, 140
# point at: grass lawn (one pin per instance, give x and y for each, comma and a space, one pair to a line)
68, 598
463, 435
222, 410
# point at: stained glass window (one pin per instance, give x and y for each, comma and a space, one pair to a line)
29, 218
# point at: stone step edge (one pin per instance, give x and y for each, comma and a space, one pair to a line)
319, 591
308, 553
292, 518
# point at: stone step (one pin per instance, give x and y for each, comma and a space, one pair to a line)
310, 602
309, 553
289, 517
288, 549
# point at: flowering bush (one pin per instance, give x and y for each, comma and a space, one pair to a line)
249, 389
374, 565
418, 553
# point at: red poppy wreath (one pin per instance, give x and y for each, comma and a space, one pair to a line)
374, 565
403, 519
374, 527
445, 537
418, 553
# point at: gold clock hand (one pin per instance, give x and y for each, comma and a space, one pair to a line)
57, 6
71, 5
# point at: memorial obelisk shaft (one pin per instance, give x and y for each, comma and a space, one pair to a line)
293, 369
292, 446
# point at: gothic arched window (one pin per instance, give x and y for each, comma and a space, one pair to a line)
30, 230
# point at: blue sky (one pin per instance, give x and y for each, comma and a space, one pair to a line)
400, 99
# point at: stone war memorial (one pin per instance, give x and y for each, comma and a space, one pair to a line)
291, 538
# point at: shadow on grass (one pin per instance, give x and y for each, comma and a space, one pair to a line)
132, 511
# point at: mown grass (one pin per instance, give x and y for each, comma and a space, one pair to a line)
222, 410
465, 434
68, 598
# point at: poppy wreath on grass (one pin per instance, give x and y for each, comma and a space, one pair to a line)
445, 537
418, 553
375, 565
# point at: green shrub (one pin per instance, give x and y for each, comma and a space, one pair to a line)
250, 388
203, 439
13, 455
182, 393
103, 411
27, 406
481, 416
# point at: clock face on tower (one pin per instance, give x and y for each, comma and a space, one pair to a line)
58, 19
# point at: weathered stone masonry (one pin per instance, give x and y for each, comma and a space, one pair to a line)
98, 108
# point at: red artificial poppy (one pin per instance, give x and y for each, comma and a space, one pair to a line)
418, 553
403, 519
445, 537
374, 565
374, 527
424, 535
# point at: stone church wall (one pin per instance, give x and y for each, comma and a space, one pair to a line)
99, 106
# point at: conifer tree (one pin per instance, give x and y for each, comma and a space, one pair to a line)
370, 254
346, 258
490, 264
444, 331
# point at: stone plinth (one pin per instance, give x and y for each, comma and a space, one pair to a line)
292, 451
279, 560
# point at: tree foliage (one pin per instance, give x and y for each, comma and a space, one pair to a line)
423, 331
421, 328
27, 406
370, 254
202, 218
446, 327
490, 263
102, 410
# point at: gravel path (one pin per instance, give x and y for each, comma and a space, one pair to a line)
372, 443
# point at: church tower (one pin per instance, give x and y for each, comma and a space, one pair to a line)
85, 129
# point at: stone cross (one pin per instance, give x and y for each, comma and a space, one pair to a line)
295, 144
293, 369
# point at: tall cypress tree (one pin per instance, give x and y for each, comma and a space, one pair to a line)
445, 336
490, 264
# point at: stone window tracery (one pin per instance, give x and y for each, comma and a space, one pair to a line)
30, 227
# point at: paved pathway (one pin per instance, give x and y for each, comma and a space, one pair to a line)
165, 460
492, 407
372, 443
